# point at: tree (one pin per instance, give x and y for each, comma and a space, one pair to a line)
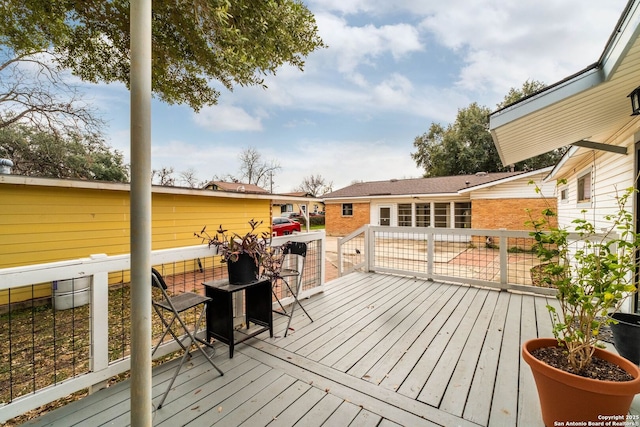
163, 176
33, 91
466, 146
315, 184
81, 156
189, 178
254, 170
194, 42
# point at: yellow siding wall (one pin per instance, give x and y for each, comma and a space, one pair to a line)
45, 224
40, 224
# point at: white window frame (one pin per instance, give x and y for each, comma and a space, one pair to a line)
564, 194
579, 194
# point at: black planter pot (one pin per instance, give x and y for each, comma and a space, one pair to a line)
243, 271
626, 335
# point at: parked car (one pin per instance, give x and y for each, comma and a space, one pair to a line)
282, 226
290, 215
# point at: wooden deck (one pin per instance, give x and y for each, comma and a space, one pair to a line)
382, 351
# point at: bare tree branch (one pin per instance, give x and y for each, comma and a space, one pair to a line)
33, 91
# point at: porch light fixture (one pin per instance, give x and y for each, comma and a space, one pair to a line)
635, 101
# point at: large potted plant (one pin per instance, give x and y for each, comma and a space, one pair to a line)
577, 379
243, 254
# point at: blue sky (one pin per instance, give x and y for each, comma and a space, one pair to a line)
390, 70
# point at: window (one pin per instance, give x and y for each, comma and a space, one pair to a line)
584, 188
286, 208
404, 215
441, 214
347, 209
462, 213
423, 214
564, 195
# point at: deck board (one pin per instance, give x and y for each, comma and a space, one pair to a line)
478, 405
382, 350
455, 395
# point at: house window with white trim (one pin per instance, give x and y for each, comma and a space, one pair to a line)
423, 214
564, 195
404, 215
347, 209
462, 214
584, 188
441, 214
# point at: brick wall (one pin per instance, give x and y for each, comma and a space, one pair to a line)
338, 225
510, 214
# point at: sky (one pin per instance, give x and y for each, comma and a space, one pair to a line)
390, 70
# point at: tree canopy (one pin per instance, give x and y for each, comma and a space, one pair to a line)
79, 156
466, 146
234, 42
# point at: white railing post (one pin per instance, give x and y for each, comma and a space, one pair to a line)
504, 256
99, 323
323, 251
370, 244
431, 248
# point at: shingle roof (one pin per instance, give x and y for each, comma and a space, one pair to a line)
238, 187
414, 186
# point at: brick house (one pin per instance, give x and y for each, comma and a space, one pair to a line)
480, 201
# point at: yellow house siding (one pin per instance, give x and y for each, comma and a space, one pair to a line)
45, 224
40, 224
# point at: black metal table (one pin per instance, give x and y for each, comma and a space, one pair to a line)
258, 310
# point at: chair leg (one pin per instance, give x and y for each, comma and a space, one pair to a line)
167, 329
284, 312
175, 375
295, 301
192, 341
199, 347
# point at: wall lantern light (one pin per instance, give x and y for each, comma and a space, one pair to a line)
635, 101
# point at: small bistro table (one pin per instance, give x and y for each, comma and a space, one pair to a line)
258, 310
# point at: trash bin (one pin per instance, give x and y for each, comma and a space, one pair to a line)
70, 293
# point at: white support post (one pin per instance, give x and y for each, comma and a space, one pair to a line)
140, 83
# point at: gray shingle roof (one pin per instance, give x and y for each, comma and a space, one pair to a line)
413, 186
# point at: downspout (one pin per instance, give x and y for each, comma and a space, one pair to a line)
140, 206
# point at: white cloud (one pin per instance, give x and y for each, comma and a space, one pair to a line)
506, 45
227, 117
353, 46
343, 162
390, 68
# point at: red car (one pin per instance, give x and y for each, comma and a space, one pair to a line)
283, 226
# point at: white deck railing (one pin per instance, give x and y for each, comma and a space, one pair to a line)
101, 268
496, 258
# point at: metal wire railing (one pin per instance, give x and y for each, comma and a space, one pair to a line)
54, 344
496, 258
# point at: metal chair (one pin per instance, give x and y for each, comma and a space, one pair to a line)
176, 305
294, 256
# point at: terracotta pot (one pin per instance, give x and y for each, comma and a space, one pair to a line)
568, 397
242, 271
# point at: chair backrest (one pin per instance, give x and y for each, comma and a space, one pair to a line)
157, 280
295, 248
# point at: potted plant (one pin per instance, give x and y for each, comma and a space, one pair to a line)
576, 379
243, 254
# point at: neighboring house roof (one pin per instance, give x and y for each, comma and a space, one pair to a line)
298, 194
237, 187
591, 105
418, 186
